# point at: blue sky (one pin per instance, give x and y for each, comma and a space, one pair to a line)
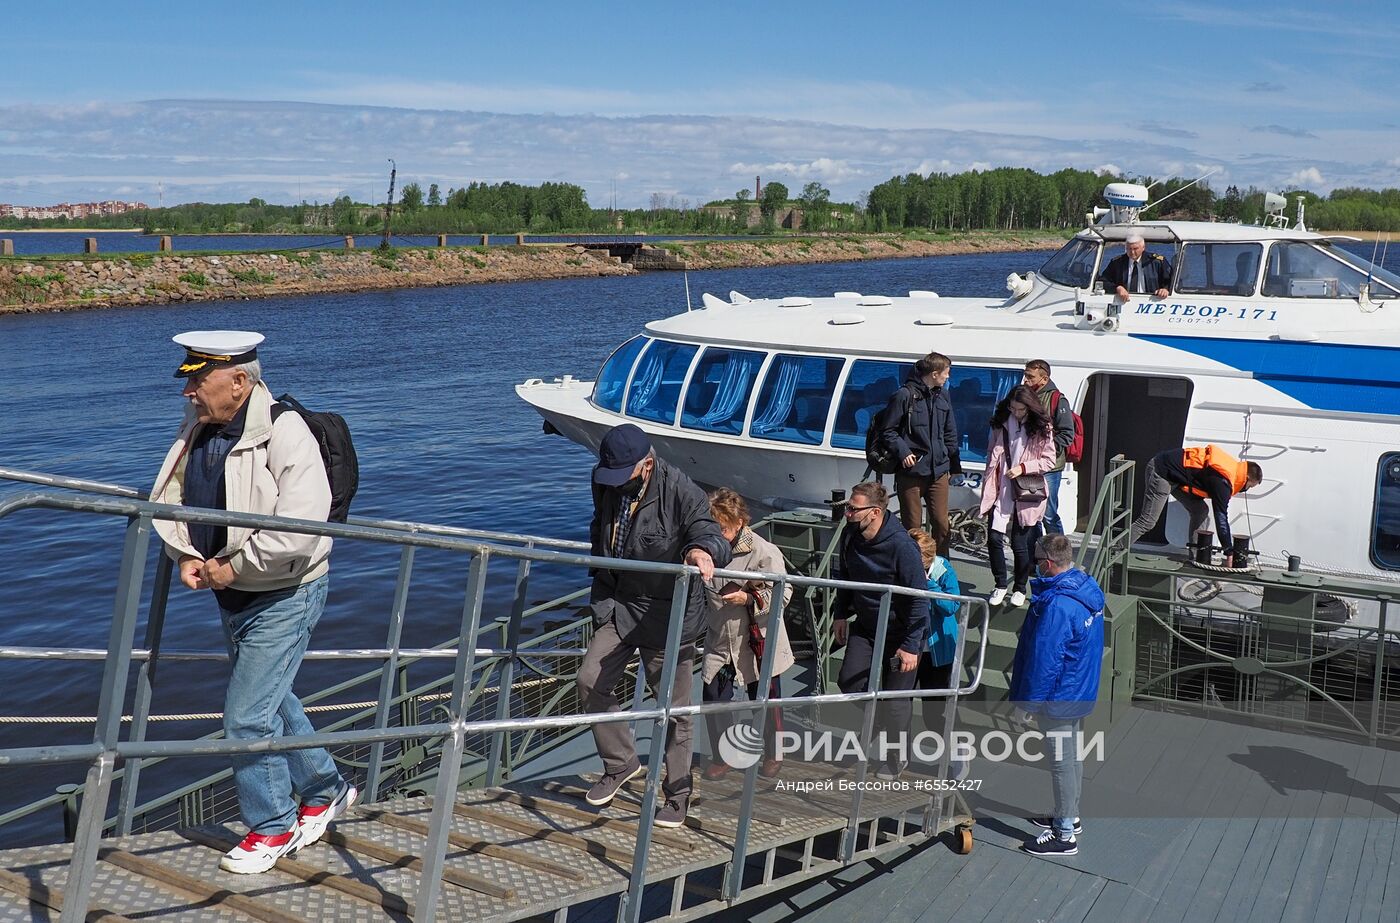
227, 101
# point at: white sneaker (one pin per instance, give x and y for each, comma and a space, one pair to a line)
312, 820
259, 852
998, 596
1018, 599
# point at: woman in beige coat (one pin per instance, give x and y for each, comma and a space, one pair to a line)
738, 613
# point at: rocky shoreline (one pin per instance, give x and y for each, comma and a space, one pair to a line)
29, 285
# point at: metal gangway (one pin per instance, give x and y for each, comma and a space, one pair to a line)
500, 852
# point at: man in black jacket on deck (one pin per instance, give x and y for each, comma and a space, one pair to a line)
644, 510
918, 428
874, 549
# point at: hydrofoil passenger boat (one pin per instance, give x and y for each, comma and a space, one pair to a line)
1274, 342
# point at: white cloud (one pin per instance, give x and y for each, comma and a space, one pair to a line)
224, 150
1108, 169
823, 169
1308, 176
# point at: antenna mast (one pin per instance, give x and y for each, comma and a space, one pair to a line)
1182, 189
389, 203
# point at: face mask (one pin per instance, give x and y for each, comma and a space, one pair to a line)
632, 488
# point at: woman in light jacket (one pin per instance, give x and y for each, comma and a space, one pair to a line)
1021, 444
734, 608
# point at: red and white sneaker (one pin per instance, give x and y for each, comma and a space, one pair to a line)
259, 852
312, 820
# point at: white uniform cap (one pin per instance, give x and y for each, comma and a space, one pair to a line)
205, 349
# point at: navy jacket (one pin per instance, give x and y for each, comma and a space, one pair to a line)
1156, 272
1207, 480
931, 433
1056, 669
672, 517
891, 557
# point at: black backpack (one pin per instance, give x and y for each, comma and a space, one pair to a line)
337, 452
878, 456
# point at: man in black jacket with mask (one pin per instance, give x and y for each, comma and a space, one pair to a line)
919, 429
644, 510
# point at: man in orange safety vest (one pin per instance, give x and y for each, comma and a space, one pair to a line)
1194, 474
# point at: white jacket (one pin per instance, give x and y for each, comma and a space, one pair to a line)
274, 470
728, 639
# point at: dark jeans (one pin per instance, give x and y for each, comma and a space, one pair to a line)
1022, 544
915, 493
721, 689
891, 716
933, 677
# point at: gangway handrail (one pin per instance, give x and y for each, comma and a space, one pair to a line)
108, 747
119, 490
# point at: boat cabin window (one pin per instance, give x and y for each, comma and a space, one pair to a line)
1385, 527
1073, 264
656, 385
1296, 269
796, 395
1218, 268
867, 391
718, 394
612, 377
974, 393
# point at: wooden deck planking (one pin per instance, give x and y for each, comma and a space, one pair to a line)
1075, 906
1373, 873
976, 874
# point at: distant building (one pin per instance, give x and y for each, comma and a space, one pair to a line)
70, 210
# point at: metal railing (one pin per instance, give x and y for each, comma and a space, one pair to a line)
1106, 534
458, 721
1270, 662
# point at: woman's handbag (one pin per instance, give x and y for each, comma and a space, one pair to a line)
759, 597
1030, 488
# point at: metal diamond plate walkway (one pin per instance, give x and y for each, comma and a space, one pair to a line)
517, 852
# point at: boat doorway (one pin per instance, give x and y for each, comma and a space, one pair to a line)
1136, 416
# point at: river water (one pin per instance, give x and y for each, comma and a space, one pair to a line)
424, 377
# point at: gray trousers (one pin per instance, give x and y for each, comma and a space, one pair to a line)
604, 664
1154, 501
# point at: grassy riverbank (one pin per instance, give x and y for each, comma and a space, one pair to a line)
108, 280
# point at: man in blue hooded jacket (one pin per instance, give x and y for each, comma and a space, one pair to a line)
1055, 680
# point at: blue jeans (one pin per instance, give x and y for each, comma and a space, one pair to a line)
1050, 523
1066, 771
266, 642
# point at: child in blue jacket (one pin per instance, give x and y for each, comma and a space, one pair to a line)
936, 666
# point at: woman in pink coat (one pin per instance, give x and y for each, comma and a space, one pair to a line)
1020, 445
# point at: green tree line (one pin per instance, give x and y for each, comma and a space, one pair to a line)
1005, 198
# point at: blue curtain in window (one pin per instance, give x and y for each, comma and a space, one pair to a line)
733, 388
788, 370
647, 379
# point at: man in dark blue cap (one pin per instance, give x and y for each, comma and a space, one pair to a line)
644, 510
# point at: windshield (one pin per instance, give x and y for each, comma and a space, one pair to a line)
1302, 269
1384, 283
1073, 264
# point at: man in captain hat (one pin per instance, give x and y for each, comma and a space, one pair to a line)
1137, 272
232, 454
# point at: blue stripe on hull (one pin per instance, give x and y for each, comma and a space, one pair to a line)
1324, 376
